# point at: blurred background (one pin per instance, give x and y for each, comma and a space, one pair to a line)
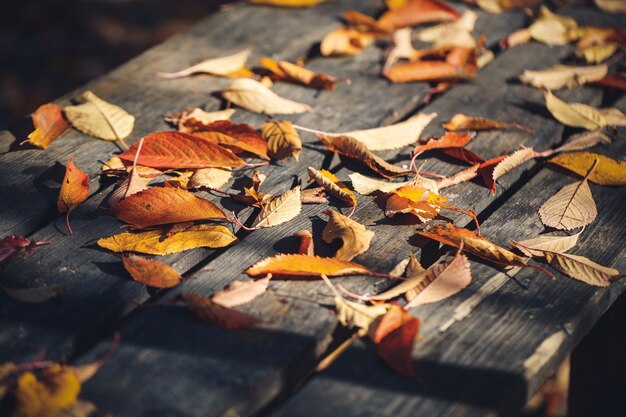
49, 47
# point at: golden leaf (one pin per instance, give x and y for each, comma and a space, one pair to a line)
150, 272
332, 184
416, 200
100, 119
571, 207
345, 41
537, 246
583, 115
240, 292
597, 53
156, 242
287, 71
613, 6
582, 269
49, 124
257, 98
222, 66
608, 171
283, 140
356, 238
212, 178
74, 190
553, 29
512, 161
564, 76
280, 210
462, 122
299, 265
57, 389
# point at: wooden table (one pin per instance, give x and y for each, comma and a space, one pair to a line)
485, 350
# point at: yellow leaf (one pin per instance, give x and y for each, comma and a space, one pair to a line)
212, 178
571, 207
280, 210
332, 184
537, 246
300, 265
283, 140
255, 97
56, 390
416, 200
582, 269
222, 66
564, 76
157, 242
597, 53
583, 115
607, 172
356, 238
553, 29
100, 119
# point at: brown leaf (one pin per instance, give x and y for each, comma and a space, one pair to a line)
537, 246
240, 292
332, 185
161, 205
280, 210
156, 242
584, 140
283, 140
206, 310
286, 71
564, 76
223, 66
449, 234
11, 245
74, 190
313, 196
463, 154
607, 172
355, 237
426, 71
462, 122
181, 150
298, 265
459, 177
448, 140
306, 246
416, 12
582, 269
152, 273
288, 3
354, 149
49, 124
570, 208
257, 98
238, 137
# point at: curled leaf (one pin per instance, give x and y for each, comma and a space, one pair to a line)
355, 237
207, 310
553, 29
240, 292
282, 139
306, 246
512, 161
74, 190
49, 124
415, 200
283, 70
459, 177
448, 140
150, 272
287, 3
582, 269
55, 390
402, 48
564, 76
596, 54
462, 122
345, 41
608, 171
280, 210
452, 34
255, 97
332, 184
415, 12
298, 265
223, 66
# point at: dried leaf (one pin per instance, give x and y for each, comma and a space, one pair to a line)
415, 200
617, 81
181, 150
366, 185
498, 6
10, 245
135, 182
463, 154
462, 122
280, 210
485, 170
54, 391
74, 190
512, 161
570, 208
162, 205
286, 71
213, 178
402, 48
459, 177
416, 12
240, 292
352, 148
582, 269
207, 310
583, 115
49, 124
298, 265
238, 137
100, 119
345, 41
257, 98
223, 66
156, 242
34, 294
596, 54
607, 172
332, 184
198, 119
553, 29
613, 6
584, 140
426, 71
282, 139
537, 246
306, 246
448, 140
355, 237
452, 34
564, 76
454, 236
394, 335
150, 272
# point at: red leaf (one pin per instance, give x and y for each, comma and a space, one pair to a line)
485, 170
49, 123
448, 140
463, 154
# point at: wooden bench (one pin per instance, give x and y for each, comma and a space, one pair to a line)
485, 350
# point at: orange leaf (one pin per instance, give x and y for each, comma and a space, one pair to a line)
426, 71
415, 200
448, 140
49, 123
152, 273
161, 205
449, 234
298, 265
286, 71
181, 150
462, 122
213, 313
240, 137
74, 190
415, 12
394, 335
345, 41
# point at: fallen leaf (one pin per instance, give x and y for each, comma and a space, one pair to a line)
459, 177
515, 38
452, 34
313, 196
463, 154
10, 245
150, 272
207, 310
613, 6
181, 150
345, 41
394, 335
240, 292
512, 161
448, 140
279, 210
553, 29
306, 246
213, 178
582, 269
584, 140
298, 265
570, 208
449, 234
286, 71
238, 137
223, 66
416, 12
498, 6
55, 390
583, 115
617, 81
564, 76
462, 122
402, 48
155, 242
49, 124
134, 183
537, 246
485, 170
282, 139
415, 200
596, 54
161, 205
34, 294
607, 172
198, 119
100, 118
355, 237
332, 185
367, 186
352, 148
287, 3
74, 190
257, 98
426, 71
